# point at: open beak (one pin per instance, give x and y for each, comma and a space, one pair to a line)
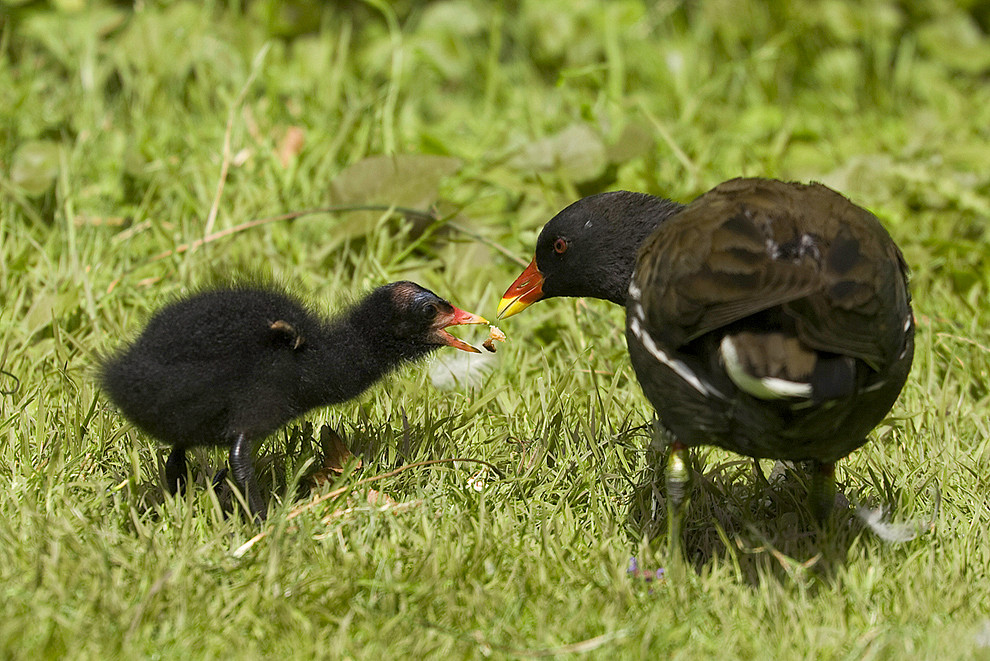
526, 290
458, 318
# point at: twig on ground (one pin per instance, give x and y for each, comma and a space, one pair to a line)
257, 222
487, 647
246, 546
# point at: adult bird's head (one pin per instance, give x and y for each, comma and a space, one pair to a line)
588, 249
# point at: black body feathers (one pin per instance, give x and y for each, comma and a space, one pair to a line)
229, 366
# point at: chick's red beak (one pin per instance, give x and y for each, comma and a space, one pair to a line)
458, 318
526, 290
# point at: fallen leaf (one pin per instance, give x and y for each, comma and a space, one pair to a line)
291, 145
404, 180
577, 151
335, 457
35, 165
635, 141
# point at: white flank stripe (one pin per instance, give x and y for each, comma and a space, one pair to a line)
677, 366
908, 323
634, 291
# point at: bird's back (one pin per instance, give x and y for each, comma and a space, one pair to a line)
201, 360
750, 245
790, 273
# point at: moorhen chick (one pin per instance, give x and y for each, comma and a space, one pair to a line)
771, 319
230, 365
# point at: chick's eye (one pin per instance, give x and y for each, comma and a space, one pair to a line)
429, 311
560, 245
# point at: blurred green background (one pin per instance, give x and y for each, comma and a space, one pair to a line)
130, 131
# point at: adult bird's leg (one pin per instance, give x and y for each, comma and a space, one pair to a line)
821, 494
219, 477
758, 473
175, 470
678, 496
243, 469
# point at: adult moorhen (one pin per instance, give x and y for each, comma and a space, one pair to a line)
230, 365
768, 318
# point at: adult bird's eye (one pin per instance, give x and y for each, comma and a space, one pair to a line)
560, 245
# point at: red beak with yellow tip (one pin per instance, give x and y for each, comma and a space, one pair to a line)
526, 290
458, 318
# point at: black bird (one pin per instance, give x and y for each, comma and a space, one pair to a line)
771, 319
229, 366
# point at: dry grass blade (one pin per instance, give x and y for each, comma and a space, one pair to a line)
211, 218
580, 647
244, 548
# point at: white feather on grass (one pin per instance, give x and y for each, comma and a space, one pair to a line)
876, 519
460, 370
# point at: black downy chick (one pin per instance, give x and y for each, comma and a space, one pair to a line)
229, 366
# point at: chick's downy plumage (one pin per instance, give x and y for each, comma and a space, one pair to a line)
230, 365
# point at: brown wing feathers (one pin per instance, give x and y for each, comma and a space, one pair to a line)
748, 246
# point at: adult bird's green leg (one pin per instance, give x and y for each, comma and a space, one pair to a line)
758, 473
678, 498
821, 494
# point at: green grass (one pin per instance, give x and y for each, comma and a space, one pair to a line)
112, 132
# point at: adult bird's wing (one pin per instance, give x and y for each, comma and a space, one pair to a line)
752, 244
